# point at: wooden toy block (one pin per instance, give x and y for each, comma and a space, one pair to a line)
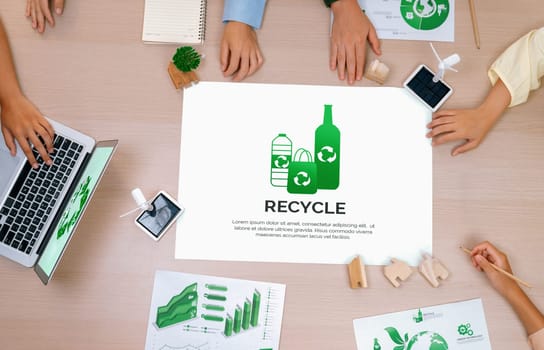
398, 269
377, 71
181, 79
433, 270
357, 273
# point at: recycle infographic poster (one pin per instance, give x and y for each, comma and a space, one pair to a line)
459, 325
198, 312
306, 174
429, 20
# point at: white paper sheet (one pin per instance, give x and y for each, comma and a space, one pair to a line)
459, 325
382, 207
198, 312
430, 20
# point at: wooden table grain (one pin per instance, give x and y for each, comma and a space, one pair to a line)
93, 72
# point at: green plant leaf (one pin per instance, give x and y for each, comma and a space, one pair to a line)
186, 59
406, 337
395, 336
399, 347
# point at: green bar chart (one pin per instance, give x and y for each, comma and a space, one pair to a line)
245, 316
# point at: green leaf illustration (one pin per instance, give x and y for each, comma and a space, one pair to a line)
186, 59
399, 347
395, 336
406, 337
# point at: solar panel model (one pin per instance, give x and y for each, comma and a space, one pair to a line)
421, 83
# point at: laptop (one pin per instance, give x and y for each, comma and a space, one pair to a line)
41, 208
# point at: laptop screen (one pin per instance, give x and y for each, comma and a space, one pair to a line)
71, 215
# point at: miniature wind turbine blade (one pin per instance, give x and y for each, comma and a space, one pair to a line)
435, 53
129, 212
452, 60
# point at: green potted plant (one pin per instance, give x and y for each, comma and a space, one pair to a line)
183, 65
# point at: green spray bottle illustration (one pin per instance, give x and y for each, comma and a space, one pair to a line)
327, 152
282, 149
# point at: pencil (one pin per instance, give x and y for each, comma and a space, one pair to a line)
506, 273
474, 23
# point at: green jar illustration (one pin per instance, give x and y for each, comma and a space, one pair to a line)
282, 149
327, 152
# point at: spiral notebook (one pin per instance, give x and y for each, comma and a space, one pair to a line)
174, 21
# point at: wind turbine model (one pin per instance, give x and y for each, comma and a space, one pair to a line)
446, 64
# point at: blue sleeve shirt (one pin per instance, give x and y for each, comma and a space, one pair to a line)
250, 12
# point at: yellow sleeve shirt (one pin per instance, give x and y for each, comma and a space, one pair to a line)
536, 340
521, 66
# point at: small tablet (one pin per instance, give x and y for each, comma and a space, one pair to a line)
421, 85
164, 212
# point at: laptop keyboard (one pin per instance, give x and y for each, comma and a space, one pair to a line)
34, 195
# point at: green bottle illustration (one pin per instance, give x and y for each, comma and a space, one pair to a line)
419, 317
282, 149
377, 345
327, 152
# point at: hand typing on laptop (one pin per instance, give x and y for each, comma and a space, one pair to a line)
20, 119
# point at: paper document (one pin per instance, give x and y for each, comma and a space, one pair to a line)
173, 21
430, 20
197, 312
459, 326
308, 174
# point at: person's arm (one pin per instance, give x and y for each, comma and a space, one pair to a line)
514, 75
39, 12
486, 253
471, 125
240, 55
20, 120
351, 29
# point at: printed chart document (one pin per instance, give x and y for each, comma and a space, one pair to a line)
198, 312
459, 326
308, 174
429, 20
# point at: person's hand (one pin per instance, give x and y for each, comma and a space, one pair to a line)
22, 122
240, 53
486, 253
351, 29
470, 125
40, 11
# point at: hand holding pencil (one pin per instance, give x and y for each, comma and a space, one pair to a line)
487, 258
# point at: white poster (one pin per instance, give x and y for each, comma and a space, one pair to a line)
198, 312
459, 325
308, 174
429, 20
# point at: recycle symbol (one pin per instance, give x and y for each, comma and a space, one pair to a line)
281, 162
302, 179
464, 329
326, 154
